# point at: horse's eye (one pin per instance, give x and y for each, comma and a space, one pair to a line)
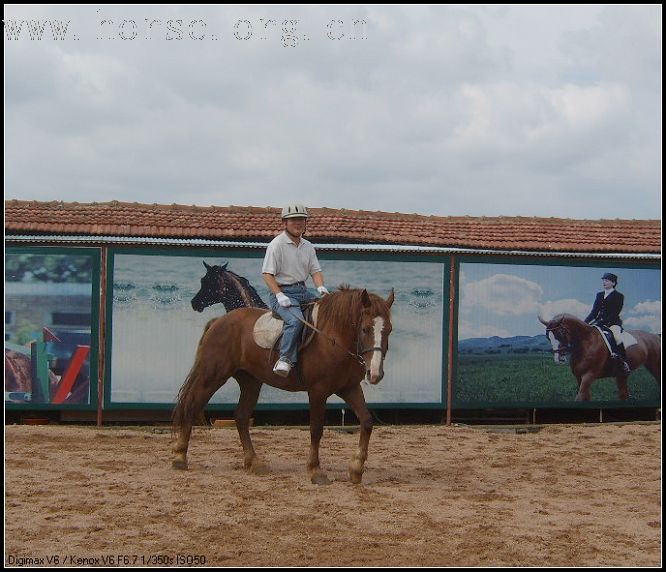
367, 330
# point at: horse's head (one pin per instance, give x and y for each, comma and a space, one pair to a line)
374, 330
213, 288
559, 336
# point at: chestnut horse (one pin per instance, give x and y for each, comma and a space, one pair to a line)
590, 358
352, 341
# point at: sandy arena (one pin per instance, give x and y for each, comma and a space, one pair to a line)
569, 495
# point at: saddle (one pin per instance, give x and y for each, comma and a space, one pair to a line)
608, 338
612, 342
268, 328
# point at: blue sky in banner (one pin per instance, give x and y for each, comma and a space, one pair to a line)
504, 299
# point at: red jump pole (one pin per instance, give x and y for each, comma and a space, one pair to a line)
69, 377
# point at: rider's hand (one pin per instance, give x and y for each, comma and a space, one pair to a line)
322, 290
283, 300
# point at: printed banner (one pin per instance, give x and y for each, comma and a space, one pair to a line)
156, 329
505, 358
49, 337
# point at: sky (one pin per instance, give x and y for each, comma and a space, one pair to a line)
505, 299
437, 110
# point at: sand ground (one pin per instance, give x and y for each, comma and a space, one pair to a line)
568, 495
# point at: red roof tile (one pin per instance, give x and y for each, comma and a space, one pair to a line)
333, 225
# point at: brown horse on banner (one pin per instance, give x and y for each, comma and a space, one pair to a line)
590, 358
352, 342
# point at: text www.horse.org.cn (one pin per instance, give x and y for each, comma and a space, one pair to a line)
289, 32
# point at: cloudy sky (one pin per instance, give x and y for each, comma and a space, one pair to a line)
448, 110
504, 299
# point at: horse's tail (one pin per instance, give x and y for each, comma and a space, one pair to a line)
187, 409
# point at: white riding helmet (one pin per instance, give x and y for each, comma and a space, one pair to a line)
293, 211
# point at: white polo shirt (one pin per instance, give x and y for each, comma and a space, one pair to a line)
288, 262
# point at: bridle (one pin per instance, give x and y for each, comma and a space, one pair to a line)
358, 356
563, 348
360, 352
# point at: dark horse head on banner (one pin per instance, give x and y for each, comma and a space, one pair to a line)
222, 286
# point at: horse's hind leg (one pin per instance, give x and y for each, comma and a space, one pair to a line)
622, 387
194, 396
249, 394
653, 365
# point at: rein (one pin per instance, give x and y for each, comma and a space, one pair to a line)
357, 356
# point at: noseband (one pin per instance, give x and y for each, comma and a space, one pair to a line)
360, 351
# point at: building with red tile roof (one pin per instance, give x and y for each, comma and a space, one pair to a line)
181, 224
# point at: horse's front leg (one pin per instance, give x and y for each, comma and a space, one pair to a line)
249, 388
355, 398
317, 415
585, 388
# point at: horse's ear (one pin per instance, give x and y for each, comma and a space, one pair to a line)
225, 266
206, 265
391, 298
365, 299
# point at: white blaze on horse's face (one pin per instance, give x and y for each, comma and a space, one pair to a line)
556, 349
376, 369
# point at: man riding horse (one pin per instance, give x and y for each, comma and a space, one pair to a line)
606, 312
289, 260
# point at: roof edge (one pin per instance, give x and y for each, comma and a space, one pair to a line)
110, 240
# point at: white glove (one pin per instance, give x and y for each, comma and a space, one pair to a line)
283, 300
322, 290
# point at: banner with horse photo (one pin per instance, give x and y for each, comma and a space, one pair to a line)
536, 335
51, 300
162, 303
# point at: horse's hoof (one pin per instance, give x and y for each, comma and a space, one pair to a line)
179, 465
320, 479
258, 469
355, 478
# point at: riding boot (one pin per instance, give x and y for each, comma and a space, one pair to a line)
621, 363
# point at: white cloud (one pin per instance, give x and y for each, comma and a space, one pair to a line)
533, 111
503, 294
645, 316
548, 310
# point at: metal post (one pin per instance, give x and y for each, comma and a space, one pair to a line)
101, 337
452, 305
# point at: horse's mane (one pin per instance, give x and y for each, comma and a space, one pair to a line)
245, 284
577, 326
342, 308
566, 316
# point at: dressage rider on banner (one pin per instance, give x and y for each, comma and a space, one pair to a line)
289, 260
606, 312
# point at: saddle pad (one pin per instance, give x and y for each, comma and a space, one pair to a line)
267, 329
628, 339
